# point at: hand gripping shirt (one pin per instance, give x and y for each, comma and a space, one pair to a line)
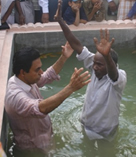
100, 114
31, 128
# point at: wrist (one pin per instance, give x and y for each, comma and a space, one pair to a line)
63, 58
69, 88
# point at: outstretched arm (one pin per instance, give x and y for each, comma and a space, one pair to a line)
73, 41
77, 81
104, 47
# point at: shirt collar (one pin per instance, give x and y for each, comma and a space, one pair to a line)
22, 84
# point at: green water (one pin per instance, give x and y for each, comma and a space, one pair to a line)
67, 129
68, 135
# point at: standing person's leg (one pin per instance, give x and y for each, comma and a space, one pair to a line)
88, 146
53, 4
38, 15
106, 148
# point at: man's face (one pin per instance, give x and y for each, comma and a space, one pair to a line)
99, 66
34, 74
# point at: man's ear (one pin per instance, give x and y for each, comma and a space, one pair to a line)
22, 72
69, 3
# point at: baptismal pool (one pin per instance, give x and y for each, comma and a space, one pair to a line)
68, 135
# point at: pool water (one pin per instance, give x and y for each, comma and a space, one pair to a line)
68, 134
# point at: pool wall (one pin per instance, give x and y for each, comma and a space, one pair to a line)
49, 38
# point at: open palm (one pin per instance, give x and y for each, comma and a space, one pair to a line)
104, 45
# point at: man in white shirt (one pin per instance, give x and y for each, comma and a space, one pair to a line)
100, 114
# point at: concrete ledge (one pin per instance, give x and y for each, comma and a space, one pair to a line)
111, 24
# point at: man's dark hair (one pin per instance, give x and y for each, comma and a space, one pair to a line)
23, 59
114, 56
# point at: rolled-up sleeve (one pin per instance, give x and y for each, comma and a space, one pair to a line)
87, 57
48, 77
23, 105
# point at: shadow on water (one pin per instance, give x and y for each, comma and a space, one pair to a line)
68, 134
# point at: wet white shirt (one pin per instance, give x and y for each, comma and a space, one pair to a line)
100, 114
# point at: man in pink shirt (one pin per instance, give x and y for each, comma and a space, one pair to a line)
26, 109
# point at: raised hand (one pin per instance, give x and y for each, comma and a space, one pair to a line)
104, 45
79, 80
58, 15
67, 50
97, 6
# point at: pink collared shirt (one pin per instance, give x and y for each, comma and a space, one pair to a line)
31, 128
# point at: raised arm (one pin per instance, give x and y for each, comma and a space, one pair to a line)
104, 47
66, 53
73, 41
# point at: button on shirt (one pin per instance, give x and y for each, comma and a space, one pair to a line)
31, 128
100, 115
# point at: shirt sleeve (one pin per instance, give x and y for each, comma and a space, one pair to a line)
121, 81
48, 77
23, 104
44, 4
132, 12
87, 57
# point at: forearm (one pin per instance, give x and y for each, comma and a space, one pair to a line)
73, 41
77, 19
8, 11
57, 66
48, 105
83, 21
91, 15
111, 68
19, 9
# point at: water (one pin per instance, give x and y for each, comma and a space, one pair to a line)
68, 134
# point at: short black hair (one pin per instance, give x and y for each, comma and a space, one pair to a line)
114, 55
23, 59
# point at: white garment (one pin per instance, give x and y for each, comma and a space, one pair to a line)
4, 7
44, 4
28, 12
100, 114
